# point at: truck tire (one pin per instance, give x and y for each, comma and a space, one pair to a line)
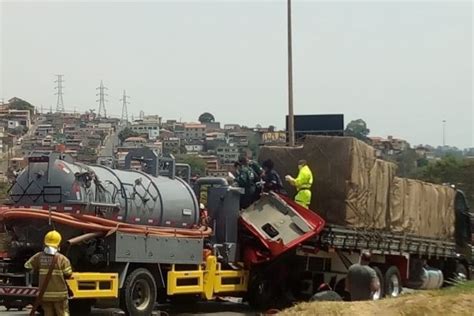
392, 282
138, 295
461, 272
380, 293
261, 294
80, 307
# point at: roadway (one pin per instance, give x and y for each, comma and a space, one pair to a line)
202, 309
110, 143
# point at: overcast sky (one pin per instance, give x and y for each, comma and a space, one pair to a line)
402, 66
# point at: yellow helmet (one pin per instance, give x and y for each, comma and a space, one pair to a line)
52, 239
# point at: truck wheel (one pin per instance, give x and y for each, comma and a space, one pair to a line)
393, 282
461, 272
380, 293
261, 294
80, 307
138, 295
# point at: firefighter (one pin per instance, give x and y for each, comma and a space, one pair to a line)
302, 183
55, 298
245, 179
271, 178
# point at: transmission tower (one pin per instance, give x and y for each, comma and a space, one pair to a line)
59, 93
102, 100
124, 119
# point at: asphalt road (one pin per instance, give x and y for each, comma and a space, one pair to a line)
110, 143
203, 309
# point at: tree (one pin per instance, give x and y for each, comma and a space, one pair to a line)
126, 133
453, 170
206, 117
19, 104
198, 165
407, 162
358, 129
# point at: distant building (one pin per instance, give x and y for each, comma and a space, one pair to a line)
44, 129
194, 131
227, 154
231, 126
134, 142
274, 138
2, 134
388, 147
152, 130
212, 126
194, 147
13, 124
171, 145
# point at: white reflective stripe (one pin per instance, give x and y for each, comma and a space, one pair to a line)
150, 221
119, 217
37, 207
137, 219
168, 223
68, 208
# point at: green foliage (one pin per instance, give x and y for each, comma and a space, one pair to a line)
206, 117
358, 129
22, 105
451, 170
407, 163
126, 133
254, 142
3, 190
198, 165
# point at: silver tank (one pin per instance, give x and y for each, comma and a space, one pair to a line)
138, 197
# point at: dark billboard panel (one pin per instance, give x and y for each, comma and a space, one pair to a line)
323, 124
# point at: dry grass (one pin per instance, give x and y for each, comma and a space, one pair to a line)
458, 300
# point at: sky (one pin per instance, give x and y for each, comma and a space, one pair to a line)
402, 66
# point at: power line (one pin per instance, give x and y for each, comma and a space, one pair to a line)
102, 99
59, 93
124, 119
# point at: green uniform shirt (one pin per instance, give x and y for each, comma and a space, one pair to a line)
56, 289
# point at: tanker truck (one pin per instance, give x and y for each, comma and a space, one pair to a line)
138, 237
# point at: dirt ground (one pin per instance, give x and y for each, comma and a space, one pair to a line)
452, 301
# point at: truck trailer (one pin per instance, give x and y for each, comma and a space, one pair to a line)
138, 237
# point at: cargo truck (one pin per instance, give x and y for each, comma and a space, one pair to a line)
141, 237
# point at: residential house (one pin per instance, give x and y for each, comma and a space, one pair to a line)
44, 129
231, 126
171, 145
194, 147
227, 154
194, 131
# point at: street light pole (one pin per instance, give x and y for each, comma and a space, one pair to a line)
291, 120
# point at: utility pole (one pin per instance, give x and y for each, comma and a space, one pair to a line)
444, 133
124, 119
59, 93
291, 119
102, 100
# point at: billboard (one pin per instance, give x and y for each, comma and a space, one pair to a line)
323, 124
